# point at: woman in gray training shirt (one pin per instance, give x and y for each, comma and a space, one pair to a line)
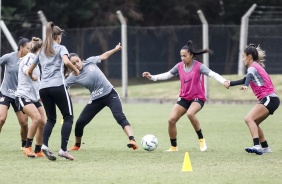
52, 90
9, 86
102, 94
27, 100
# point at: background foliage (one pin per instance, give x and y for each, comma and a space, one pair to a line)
89, 13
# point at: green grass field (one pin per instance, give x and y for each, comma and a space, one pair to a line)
104, 157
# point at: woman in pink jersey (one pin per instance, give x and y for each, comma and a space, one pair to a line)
192, 92
263, 89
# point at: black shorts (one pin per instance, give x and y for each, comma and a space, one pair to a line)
5, 100
186, 103
271, 103
21, 102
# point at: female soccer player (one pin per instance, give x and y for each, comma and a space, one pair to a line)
102, 94
27, 100
52, 58
9, 86
192, 91
261, 84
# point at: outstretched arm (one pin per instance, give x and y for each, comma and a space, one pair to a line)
107, 54
163, 76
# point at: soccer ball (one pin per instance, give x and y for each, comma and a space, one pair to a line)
149, 142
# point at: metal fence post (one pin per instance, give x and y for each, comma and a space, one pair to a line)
124, 53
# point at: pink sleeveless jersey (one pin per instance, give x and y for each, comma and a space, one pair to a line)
192, 82
264, 89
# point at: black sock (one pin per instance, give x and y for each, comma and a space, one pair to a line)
256, 141
28, 142
37, 148
173, 142
78, 144
264, 144
199, 133
131, 138
23, 143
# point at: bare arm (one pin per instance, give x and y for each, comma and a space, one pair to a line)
30, 71
69, 64
107, 54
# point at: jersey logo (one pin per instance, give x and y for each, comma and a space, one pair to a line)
187, 81
91, 68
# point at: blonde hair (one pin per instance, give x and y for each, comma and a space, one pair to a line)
36, 44
261, 56
52, 32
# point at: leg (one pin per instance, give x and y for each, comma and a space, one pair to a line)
87, 114
255, 117
194, 108
114, 103
40, 127
176, 113
23, 121
50, 108
258, 113
35, 116
3, 115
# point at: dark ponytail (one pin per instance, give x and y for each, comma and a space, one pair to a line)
189, 47
22, 42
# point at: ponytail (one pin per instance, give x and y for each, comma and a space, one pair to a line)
257, 53
52, 32
189, 47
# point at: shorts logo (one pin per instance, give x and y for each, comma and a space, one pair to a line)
2, 99
27, 100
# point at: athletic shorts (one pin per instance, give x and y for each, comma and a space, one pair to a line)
271, 103
5, 100
21, 102
186, 103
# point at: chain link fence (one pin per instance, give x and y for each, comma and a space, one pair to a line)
157, 49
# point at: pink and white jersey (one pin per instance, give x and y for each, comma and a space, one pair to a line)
192, 82
261, 83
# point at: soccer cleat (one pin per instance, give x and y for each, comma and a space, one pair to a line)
203, 145
48, 153
132, 144
39, 154
172, 149
65, 154
28, 152
255, 149
266, 150
75, 148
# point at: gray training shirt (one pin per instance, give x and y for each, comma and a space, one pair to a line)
52, 67
203, 69
10, 80
92, 78
27, 88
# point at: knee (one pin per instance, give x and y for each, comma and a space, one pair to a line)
190, 115
248, 119
2, 121
172, 121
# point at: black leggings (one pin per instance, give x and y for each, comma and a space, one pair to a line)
50, 98
111, 100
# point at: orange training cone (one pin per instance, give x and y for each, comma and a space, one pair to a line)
187, 163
